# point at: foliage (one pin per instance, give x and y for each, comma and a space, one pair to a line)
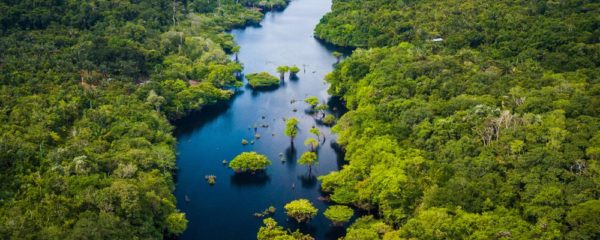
294, 70
329, 119
262, 80
309, 159
249, 161
339, 214
291, 128
271, 231
302, 210
313, 101
489, 133
86, 92
312, 143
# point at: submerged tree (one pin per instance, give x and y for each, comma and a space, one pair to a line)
321, 108
294, 70
291, 129
309, 159
282, 70
339, 214
312, 143
236, 50
315, 131
302, 210
329, 119
313, 101
249, 161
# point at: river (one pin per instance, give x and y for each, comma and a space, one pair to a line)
205, 139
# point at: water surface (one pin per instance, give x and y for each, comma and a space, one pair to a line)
225, 210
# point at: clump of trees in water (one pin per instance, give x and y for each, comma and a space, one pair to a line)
262, 80
301, 210
309, 159
249, 162
291, 129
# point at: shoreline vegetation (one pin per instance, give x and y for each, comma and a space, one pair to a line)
87, 93
463, 125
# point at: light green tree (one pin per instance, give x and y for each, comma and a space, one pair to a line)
302, 210
313, 101
339, 214
312, 143
294, 70
315, 131
282, 70
155, 100
249, 161
309, 159
291, 129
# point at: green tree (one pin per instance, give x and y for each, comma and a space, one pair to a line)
339, 214
329, 119
155, 100
321, 108
282, 70
302, 210
176, 223
294, 70
312, 143
291, 129
313, 101
271, 230
249, 161
309, 159
315, 131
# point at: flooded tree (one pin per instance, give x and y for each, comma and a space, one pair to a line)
312, 143
302, 210
249, 161
315, 131
309, 159
291, 129
313, 101
282, 70
294, 70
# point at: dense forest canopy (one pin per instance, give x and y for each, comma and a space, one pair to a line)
87, 89
469, 119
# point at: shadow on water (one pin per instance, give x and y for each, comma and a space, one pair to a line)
335, 232
346, 51
246, 179
308, 181
195, 120
291, 155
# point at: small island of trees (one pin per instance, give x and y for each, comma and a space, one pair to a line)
262, 80
302, 210
249, 162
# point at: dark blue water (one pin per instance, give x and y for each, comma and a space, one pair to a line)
225, 210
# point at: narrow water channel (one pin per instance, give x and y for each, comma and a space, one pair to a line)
225, 210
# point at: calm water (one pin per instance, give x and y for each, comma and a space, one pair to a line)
225, 210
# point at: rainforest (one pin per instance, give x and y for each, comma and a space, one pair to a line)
300, 119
